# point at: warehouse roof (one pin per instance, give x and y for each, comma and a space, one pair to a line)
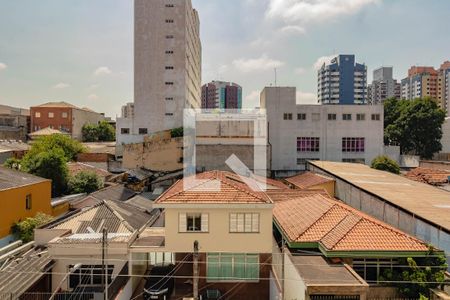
420, 199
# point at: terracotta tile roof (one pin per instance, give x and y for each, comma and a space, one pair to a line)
56, 104
46, 131
77, 167
215, 187
308, 179
337, 226
430, 176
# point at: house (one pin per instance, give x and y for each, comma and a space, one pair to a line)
63, 116
22, 195
349, 244
77, 167
230, 222
12, 149
309, 180
115, 192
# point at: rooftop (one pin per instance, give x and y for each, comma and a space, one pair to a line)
308, 179
77, 167
215, 187
46, 131
315, 270
62, 104
420, 199
430, 176
10, 179
335, 226
9, 145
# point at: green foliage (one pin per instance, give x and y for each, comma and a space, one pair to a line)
50, 164
12, 163
69, 146
415, 125
24, 230
102, 132
84, 182
418, 276
176, 132
385, 163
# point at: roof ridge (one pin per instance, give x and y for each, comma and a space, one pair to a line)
125, 223
316, 221
202, 181
82, 211
245, 191
350, 229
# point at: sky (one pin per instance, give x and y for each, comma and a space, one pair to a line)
82, 51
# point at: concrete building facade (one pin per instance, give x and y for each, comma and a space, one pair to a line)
127, 110
14, 123
222, 95
383, 86
298, 133
64, 117
421, 82
443, 86
342, 81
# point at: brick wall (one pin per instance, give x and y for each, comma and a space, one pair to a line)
57, 122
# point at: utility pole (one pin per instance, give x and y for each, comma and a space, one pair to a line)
282, 268
195, 271
104, 266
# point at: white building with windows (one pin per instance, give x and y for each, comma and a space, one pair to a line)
297, 133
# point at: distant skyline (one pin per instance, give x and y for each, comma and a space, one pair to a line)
82, 51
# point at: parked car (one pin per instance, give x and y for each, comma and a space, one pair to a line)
212, 294
159, 283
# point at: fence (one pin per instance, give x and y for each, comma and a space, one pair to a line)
58, 296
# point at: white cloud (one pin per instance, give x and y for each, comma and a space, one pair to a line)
3, 66
293, 29
321, 60
252, 99
306, 98
61, 86
92, 97
256, 64
299, 71
305, 12
94, 86
222, 69
102, 71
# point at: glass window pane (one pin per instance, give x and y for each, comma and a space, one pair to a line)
212, 271
239, 266
252, 267
226, 266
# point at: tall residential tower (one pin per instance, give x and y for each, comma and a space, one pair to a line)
222, 95
383, 86
342, 81
167, 67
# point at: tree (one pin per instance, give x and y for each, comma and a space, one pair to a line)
24, 230
415, 277
12, 163
415, 125
106, 132
51, 164
69, 146
385, 163
84, 182
89, 133
177, 132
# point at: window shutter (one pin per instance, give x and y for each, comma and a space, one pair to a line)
205, 223
182, 222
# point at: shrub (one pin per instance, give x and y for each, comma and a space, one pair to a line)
385, 163
24, 230
84, 182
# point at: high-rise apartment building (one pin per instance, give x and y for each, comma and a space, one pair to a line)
443, 86
167, 67
128, 110
421, 82
383, 86
342, 81
222, 95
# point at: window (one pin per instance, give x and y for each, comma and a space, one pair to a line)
354, 160
51, 115
169, 82
88, 275
169, 21
143, 130
315, 117
346, 117
308, 144
169, 36
232, 267
37, 114
244, 222
169, 114
125, 130
169, 98
371, 269
360, 117
28, 202
169, 67
350, 144
170, 5
287, 116
169, 52
193, 222
375, 117
331, 117
301, 116
64, 115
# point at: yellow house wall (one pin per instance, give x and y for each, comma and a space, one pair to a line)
219, 239
328, 186
13, 204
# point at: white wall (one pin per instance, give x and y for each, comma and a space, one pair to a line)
283, 133
82, 117
446, 136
